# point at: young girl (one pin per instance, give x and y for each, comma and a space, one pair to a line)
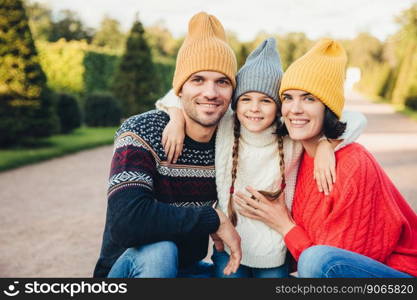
248, 152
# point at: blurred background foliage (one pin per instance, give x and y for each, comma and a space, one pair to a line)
44, 57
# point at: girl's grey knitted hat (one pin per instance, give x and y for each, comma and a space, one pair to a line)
262, 72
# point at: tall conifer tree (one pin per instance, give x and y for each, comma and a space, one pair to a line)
25, 103
135, 84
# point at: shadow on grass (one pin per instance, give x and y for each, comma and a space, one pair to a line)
31, 144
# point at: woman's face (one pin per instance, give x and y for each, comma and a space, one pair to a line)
256, 111
303, 115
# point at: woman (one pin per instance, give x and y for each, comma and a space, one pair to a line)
364, 228
249, 152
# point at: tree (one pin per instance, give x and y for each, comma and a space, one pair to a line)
109, 34
405, 87
40, 20
365, 51
161, 41
135, 84
292, 46
242, 55
70, 27
25, 103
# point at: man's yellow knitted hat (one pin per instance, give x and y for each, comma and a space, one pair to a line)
321, 72
204, 49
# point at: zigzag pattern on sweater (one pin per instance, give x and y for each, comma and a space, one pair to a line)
130, 176
127, 141
172, 171
193, 204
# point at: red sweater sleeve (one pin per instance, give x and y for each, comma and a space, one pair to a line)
358, 215
297, 241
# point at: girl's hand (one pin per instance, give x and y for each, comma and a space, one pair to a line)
325, 167
275, 214
173, 135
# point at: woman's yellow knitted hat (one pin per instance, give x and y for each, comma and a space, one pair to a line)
321, 72
204, 49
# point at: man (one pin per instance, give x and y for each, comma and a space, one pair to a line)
159, 215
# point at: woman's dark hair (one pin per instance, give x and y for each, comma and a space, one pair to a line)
332, 127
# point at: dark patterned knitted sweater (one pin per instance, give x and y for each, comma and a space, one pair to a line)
150, 200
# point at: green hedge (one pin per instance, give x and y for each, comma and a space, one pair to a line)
76, 67
99, 71
63, 64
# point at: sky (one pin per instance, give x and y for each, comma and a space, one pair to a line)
316, 18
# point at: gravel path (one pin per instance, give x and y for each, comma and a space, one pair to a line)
52, 216
52, 213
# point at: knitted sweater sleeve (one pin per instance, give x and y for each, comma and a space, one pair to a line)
355, 124
169, 100
223, 159
359, 214
134, 215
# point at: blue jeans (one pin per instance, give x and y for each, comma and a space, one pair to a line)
220, 260
157, 260
332, 262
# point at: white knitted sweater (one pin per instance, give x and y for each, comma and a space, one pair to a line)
258, 166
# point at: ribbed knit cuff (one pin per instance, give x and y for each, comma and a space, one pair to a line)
297, 241
208, 222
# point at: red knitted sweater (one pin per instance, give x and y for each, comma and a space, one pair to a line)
364, 213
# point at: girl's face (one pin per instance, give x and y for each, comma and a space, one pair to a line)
256, 111
303, 115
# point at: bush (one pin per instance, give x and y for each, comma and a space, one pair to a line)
411, 102
68, 112
102, 110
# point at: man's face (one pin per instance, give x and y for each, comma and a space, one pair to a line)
205, 97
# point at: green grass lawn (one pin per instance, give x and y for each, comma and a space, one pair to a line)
57, 145
407, 111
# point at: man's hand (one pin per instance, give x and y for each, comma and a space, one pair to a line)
228, 235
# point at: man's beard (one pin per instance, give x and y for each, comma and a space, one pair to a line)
193, 115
